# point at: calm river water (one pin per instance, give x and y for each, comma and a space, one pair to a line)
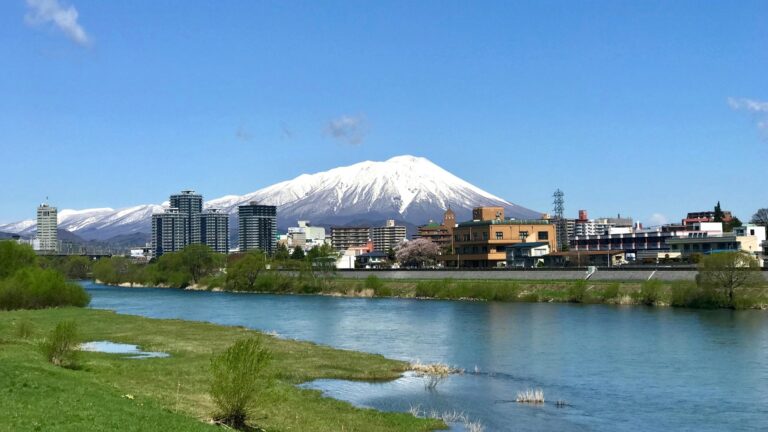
620, 368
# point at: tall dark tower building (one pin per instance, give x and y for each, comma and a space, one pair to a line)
258, 227
169, 231
190, 205
214, 230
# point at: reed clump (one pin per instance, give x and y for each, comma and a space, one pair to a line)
532, 396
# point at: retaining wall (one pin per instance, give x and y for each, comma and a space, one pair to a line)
549, 274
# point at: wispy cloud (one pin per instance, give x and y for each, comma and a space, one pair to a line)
61, 16
657, 219
758, 110
348, 129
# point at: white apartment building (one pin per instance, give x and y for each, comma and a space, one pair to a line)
47, 225
306, 236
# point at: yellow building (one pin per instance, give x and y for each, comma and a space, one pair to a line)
482, 242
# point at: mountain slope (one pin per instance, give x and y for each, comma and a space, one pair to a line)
405, 188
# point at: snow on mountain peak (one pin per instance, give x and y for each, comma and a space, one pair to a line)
408, 188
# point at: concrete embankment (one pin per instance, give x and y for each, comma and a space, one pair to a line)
599, 275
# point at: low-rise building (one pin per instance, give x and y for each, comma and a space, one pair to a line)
708, 237
373, 260
585, 259
348, 258
482, 242
527, 255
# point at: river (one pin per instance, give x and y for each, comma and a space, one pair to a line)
619, 368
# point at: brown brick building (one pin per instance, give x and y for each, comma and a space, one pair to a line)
482, 242
441, 234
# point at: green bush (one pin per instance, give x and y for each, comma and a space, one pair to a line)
373, 282
237, 378
24, 329
650, 292
383, 291
14, 257
577, 292
34, 288
61, 346
610, 292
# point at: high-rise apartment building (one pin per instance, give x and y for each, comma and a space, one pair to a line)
214, 230
47, 225
189, 204
258, 227
343, 238
169, 231
387, 237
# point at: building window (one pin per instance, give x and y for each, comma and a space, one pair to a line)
543, 235
485, 236
499, 235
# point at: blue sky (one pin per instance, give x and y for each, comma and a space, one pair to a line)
648, 109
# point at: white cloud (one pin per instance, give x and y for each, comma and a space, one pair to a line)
758, 110
62, 16
348, 129
657, 219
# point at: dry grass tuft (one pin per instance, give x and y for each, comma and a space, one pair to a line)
534, 396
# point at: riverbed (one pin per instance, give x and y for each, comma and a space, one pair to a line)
618, 368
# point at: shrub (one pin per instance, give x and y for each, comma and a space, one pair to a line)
383, 291
373, 282
577, 292
238, 377
729, 272
650, 292
610, 292
24, 329
60, 347
34, 288
14, 257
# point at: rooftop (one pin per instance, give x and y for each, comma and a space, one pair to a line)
504, 222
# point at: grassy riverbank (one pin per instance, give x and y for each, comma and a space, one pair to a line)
651, 293
170, 394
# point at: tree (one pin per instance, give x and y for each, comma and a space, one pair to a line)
77, 267
14, 256
760, 217
728, 272
324, 251
282, 253
243, 274
200, 261
298, 253
731, 224
718, 216
418, 253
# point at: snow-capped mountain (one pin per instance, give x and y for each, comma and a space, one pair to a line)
406, 188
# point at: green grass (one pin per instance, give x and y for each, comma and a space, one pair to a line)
171, 394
